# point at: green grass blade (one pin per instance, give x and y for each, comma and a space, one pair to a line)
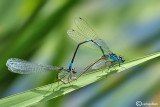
51, 91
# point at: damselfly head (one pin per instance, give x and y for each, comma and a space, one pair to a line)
121, 59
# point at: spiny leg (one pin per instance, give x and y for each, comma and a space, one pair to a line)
69, 78
112, 64
61, 79
106, 63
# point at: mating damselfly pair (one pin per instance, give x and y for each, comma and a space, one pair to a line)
84, 35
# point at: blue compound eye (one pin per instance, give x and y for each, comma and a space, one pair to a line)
121, 59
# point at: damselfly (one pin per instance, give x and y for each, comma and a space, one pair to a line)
24, 67
86, 34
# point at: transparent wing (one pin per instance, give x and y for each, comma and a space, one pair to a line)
104, 46
24, 67
86, 33
102, 64
79, 37
76, 36
85, 29
98, 65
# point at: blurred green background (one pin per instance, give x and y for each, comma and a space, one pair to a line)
35, 30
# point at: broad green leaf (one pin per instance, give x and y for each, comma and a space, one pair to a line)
54, 90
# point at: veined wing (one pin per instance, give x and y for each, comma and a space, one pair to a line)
99, 64
85, 29
104, 46
76, 36
102, 63
24, 67
89, 33
79, 37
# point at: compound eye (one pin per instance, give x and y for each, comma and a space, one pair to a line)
120, 57
122, 60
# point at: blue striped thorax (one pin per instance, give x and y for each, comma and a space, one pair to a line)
113, 56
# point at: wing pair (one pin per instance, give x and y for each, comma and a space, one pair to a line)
85, 32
